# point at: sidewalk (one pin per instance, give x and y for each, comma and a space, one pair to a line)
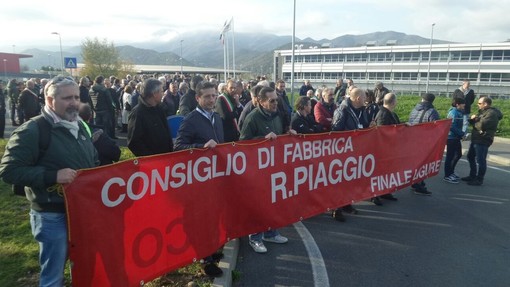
499, 151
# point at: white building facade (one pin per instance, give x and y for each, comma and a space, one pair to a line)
403, 69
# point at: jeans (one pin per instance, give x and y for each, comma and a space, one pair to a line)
50, 230
477, 154
453, 154
258, 236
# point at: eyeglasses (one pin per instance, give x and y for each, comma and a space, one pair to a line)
480, 103
272, 101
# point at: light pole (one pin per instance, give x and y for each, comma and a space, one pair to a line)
430, 54
61, 55
181, 56
5, 70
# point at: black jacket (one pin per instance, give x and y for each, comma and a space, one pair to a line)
348, 118
469, 98
386, 117
148, 131
305, 125
187, 103
196, 130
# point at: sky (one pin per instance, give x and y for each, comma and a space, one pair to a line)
30, 23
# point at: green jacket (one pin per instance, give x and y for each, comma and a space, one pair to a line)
258, 124
485, 126
21, 164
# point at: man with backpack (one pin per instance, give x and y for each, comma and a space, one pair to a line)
41, 169
423, 112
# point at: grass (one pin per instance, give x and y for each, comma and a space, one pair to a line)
19, 251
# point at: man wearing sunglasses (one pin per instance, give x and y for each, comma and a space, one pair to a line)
484, 124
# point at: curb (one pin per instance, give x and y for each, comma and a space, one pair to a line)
501, 140
492, 158
227, 264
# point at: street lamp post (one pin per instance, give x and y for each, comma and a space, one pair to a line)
430, 54
181, 56
5, 70
61, 54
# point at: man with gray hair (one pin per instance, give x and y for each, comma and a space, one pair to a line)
148, 131
68, 149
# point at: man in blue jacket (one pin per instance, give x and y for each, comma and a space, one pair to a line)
202, 128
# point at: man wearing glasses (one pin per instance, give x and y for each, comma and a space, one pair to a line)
264, 122
26, 164
484, 124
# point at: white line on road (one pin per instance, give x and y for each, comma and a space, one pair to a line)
320, 274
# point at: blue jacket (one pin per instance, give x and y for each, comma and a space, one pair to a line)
457, 123
348, 118
423, 112
196, 130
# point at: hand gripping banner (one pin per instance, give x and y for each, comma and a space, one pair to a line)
136, 220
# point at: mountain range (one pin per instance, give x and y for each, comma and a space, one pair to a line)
254, 52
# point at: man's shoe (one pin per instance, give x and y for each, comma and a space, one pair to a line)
217, 256
258, 246
338, 216
468, 178
450, 179
350, 209
454, 175
475, 182
211, 269
422, 191
389, 196
376, 201
276, 239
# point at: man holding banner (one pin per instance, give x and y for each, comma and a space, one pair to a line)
25, 163
350, 115
202, 128
264, 122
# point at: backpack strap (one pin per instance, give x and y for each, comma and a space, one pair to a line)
44, 135
423, 115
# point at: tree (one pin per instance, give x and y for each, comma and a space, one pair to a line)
102, 58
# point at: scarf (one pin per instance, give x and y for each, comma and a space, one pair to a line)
71, 126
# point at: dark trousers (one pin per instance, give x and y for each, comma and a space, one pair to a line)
2, 124
104, 119
453, 154
477, 154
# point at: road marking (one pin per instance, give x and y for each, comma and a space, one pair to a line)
477, 200
320, 274
483, 196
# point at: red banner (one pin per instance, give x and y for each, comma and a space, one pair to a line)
136, 220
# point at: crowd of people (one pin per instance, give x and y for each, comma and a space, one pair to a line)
85, 115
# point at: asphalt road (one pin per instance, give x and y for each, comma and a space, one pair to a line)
459, 236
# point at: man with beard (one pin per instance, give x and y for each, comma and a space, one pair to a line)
69, 149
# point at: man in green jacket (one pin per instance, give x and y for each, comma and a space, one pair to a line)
485, 124
41, 171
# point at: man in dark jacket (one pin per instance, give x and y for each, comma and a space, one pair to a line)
68, 150
230, 109
423, 112
485, 124
379, 91
28, 101
148, 131
202, 128
103, 105
188, 102
350, 115
466, 93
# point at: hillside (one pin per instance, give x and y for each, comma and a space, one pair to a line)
254, 52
